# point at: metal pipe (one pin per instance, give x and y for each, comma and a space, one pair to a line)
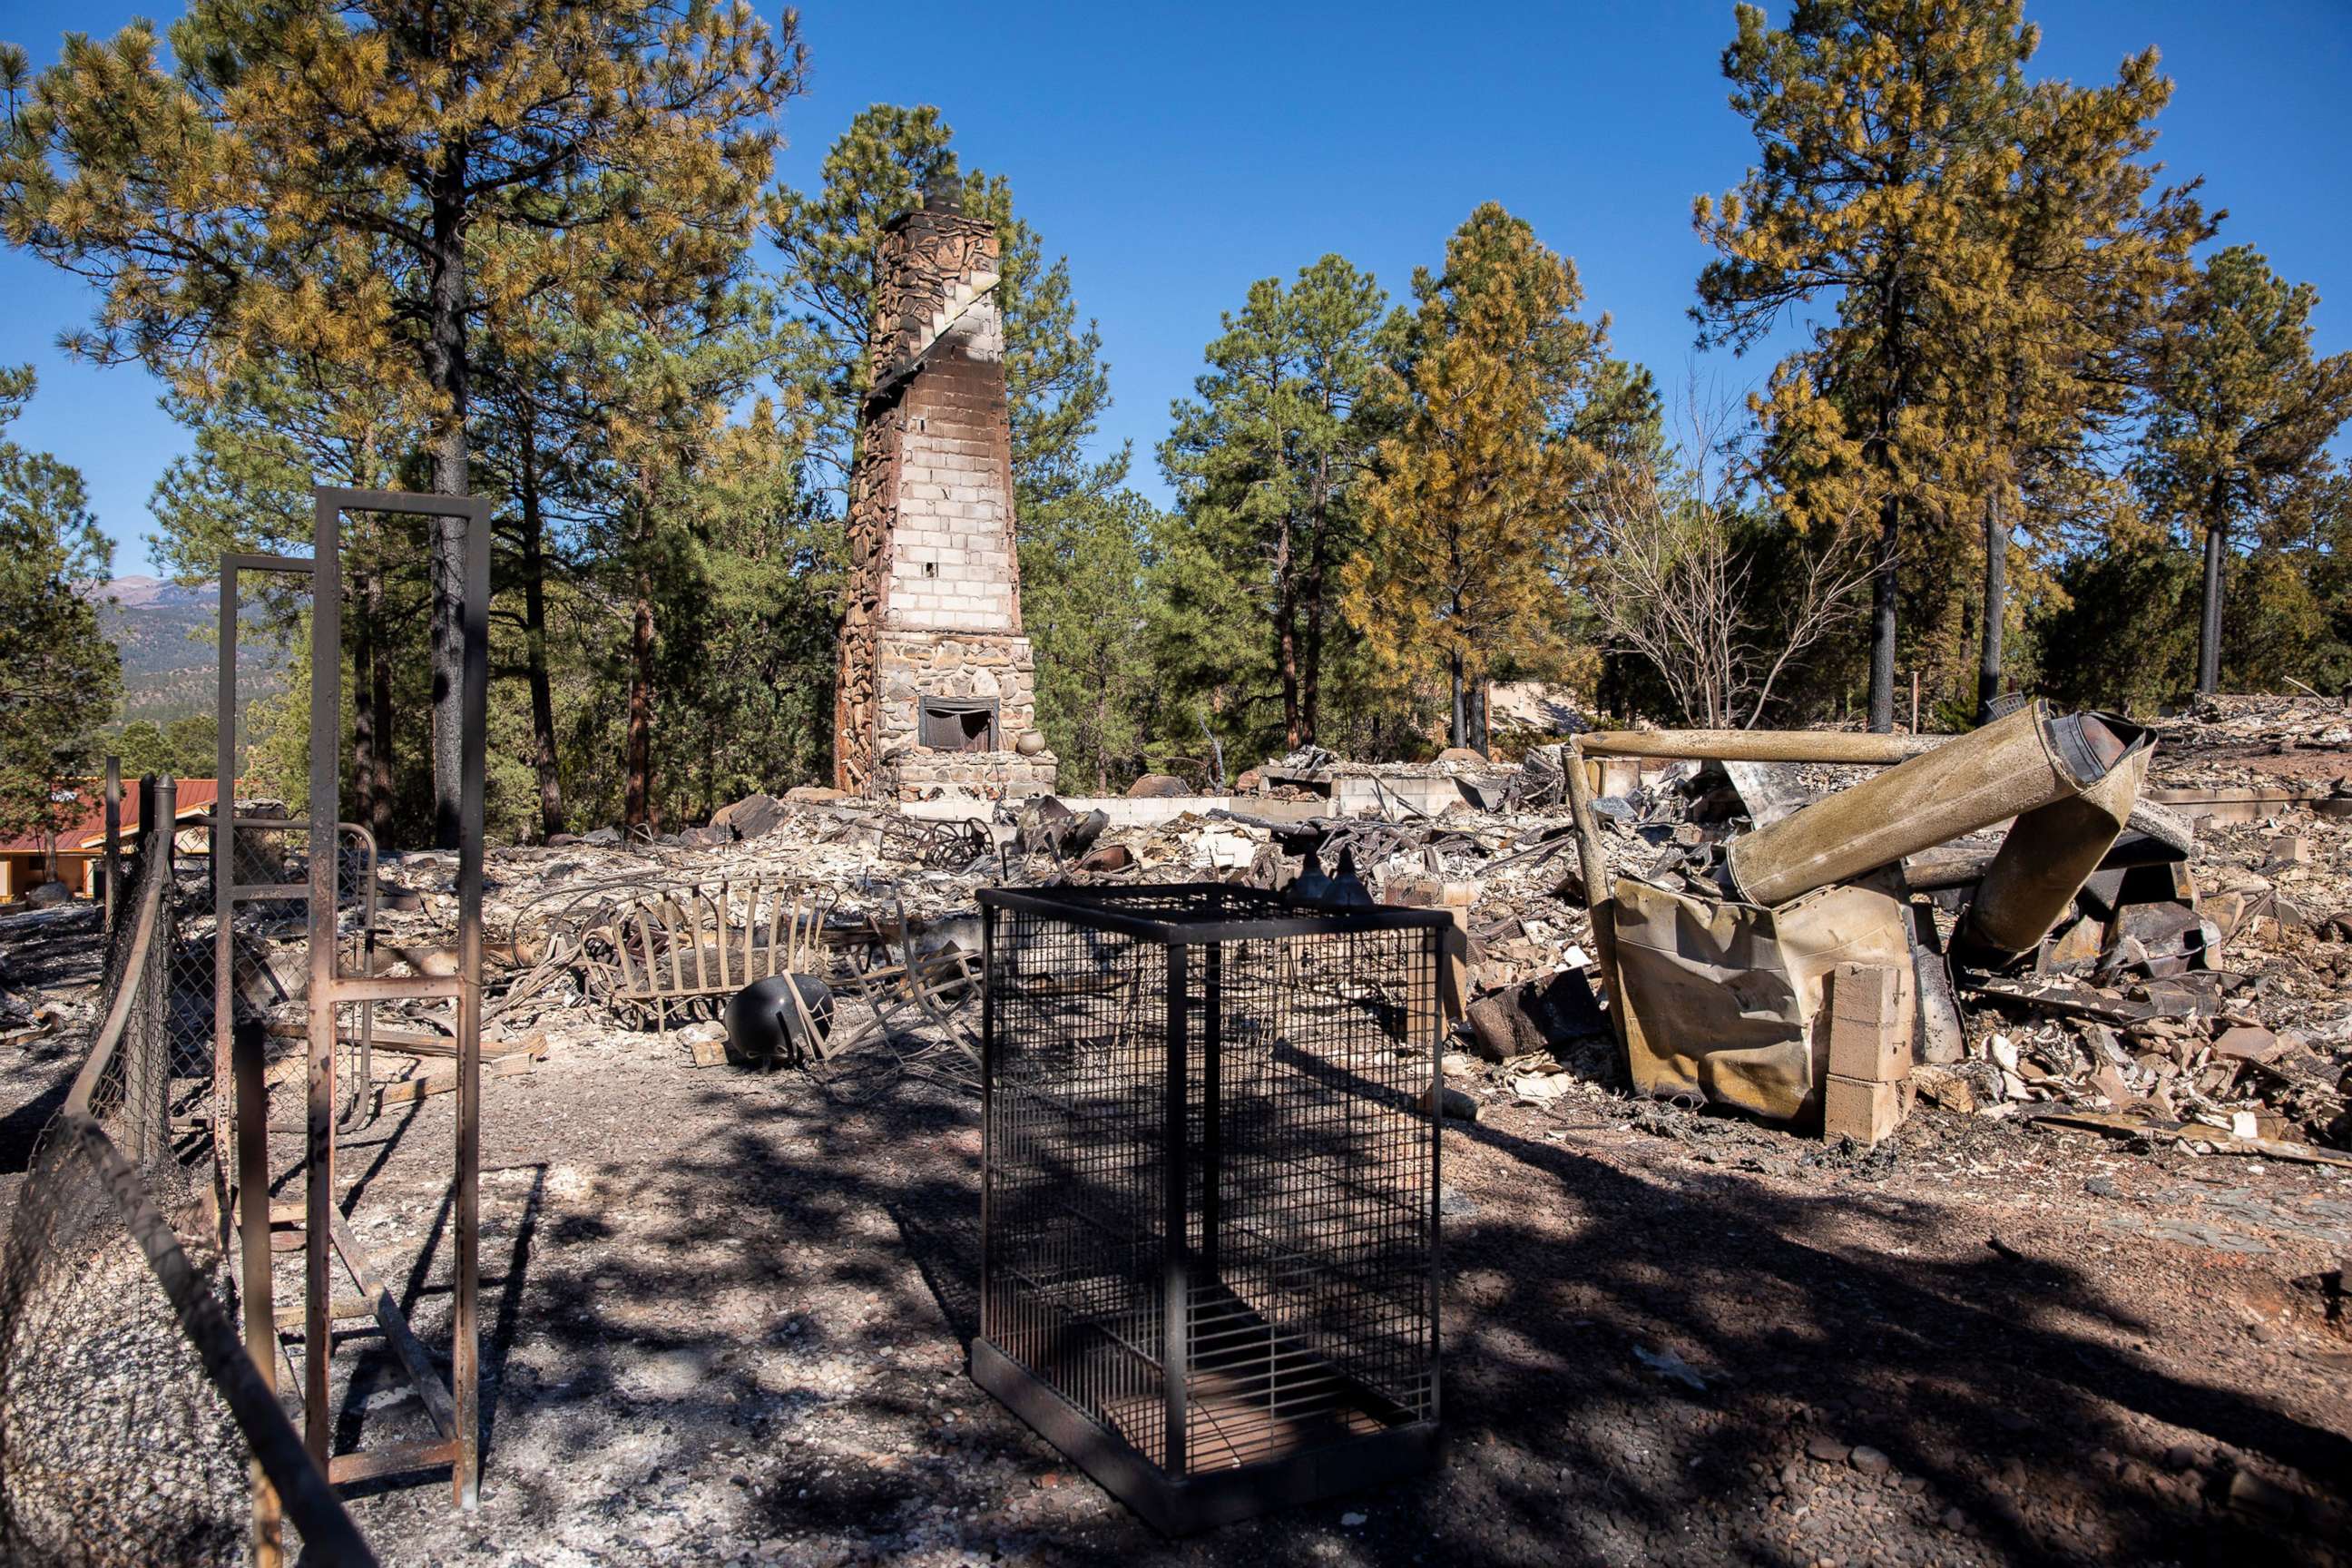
224, 838
253, 1234
2009, 766
1176, 1279
318, 1130
464, 1362
113, 865
1759, 745
2048, 855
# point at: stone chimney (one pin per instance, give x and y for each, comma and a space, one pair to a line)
938, 689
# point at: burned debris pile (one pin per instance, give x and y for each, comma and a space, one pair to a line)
2007, 926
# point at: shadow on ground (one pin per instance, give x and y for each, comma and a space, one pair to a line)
728, 1319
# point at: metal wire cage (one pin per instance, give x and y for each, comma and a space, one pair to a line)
1209, 1215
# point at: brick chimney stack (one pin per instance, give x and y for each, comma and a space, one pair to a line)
937, 689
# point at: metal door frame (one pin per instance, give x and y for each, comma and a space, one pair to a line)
327, 1233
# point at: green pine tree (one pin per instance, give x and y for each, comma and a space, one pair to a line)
59, 676
1268, 462
2243, 417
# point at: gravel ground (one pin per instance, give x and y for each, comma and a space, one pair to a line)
726, 1314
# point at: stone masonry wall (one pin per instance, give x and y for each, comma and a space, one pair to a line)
935, 593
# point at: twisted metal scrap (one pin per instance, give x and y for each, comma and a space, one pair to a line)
691, 949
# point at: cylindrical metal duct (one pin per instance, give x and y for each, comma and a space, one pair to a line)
2042, 864
1760, 745
2008, 767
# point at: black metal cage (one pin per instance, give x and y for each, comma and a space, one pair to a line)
1209, 1218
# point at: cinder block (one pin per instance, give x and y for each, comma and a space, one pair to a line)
1868, 1040
1865, 1112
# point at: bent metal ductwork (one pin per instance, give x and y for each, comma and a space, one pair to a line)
2013, 766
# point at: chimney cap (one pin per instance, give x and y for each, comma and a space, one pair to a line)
943, 192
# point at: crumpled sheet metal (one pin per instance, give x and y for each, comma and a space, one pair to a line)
2048, 855
1723, 1001
2008, 768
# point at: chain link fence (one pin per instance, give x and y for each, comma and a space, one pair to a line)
131, 1415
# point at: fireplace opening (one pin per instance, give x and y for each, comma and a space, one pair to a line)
957, 724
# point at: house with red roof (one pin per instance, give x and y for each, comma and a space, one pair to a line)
74, 853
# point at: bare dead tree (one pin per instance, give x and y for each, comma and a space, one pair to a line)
1671, 581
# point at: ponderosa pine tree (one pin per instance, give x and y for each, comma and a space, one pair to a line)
2242, 418
1510, 402
59, 676
263, 435
1084, 571
2086, 258
1266, 464
671, 459
1878, 123
332, 180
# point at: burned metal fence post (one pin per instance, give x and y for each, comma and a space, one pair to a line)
113, 864
1209, 1210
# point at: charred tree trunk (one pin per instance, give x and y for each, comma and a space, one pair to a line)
379, 701
533, 560
636, 808
1881, 617
1317, 564
361, 618
2209, 636
1460, 731
1285, 641
1996, 604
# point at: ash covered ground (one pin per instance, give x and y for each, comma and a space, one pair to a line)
725, 1312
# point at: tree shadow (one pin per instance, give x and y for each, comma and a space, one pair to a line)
770, 1311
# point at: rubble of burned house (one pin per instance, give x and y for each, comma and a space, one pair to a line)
1727, 935
2017, 930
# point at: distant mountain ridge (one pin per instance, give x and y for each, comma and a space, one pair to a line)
143, 593
164, 632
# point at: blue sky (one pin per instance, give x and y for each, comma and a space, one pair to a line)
1176, 153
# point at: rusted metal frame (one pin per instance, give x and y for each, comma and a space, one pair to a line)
329, 988
398, 1459
394, 1324
325, 940
255, 1274
474, 759
328, 1534
1176, 1275
224, 848
240, 1093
